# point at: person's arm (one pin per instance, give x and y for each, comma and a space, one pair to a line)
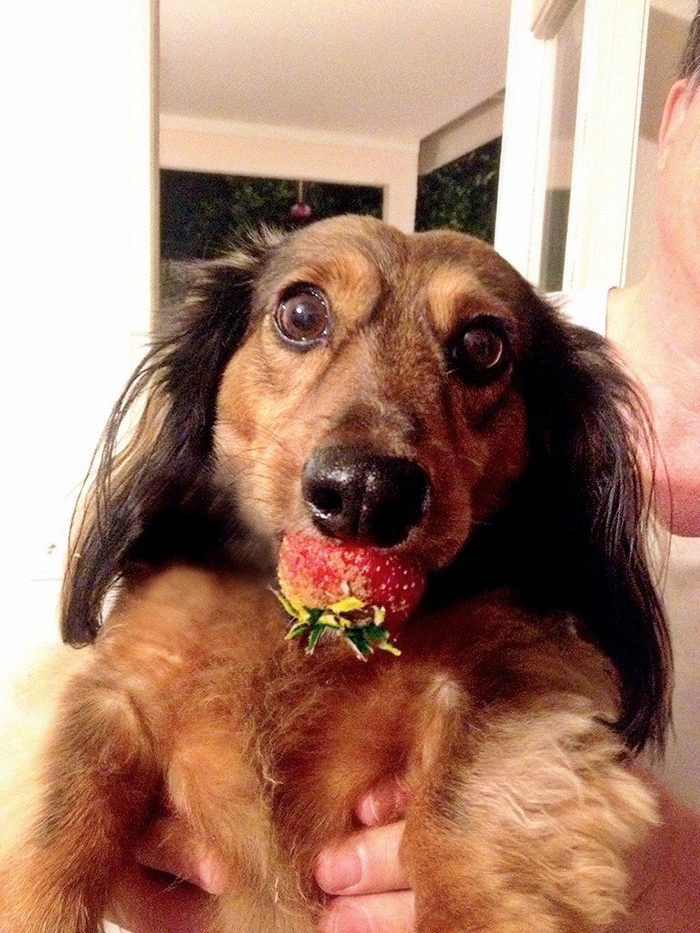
665, 881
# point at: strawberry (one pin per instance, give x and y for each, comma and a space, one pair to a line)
360, 592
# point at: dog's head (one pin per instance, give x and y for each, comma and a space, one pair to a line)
374, 396
414, 393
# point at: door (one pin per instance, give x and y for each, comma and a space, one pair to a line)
571, 123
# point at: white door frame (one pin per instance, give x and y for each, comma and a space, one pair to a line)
605, 146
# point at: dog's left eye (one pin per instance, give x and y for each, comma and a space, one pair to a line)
302, 317
481, 351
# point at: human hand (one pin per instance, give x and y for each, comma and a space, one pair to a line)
364, 872
173, 876
372, 892
168, 884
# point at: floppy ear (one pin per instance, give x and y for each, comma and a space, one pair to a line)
585, 500
151, 499
573, 537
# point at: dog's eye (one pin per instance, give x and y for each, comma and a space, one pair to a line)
302, 316
480, 351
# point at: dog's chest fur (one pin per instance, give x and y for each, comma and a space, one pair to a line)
264, 742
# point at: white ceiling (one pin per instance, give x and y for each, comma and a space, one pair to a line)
390, 68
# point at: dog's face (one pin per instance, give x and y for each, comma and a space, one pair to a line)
375, 396
410, 392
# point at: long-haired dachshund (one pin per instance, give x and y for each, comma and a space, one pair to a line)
535, 665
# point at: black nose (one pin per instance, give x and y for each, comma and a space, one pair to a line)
357, 494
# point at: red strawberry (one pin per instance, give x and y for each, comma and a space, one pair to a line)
318, 572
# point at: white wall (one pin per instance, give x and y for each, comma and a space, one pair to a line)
78, 215
200, 145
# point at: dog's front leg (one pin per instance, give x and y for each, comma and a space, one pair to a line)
95, 779
525, 825
211, 782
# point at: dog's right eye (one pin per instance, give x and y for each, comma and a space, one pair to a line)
302, 317
481, 351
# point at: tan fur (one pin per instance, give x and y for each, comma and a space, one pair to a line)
522, 810
274, 408
447, 288
517, 807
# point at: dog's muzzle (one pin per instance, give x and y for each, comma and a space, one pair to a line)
354, 493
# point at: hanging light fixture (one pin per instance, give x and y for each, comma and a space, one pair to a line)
300, 210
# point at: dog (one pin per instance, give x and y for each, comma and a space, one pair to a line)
536, 665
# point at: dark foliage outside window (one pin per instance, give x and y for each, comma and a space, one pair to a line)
462, 194
201, 214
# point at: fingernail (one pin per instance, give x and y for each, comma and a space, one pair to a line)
367, 810
338, 870
348, 920
382, 805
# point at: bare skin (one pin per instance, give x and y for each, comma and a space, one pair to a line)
169, 881
665, 878
366, 874
655, 323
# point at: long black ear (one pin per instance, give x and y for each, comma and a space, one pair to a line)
574, 536
585, 500
150, 494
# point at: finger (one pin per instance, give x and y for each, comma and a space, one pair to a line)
168, 845
383, 804
146, 902
371, 913
365, 863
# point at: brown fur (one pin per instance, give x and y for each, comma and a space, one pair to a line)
497, 715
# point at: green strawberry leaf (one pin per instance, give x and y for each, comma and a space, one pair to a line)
358, 640
375, 632
297, 629
387, 646
363, 634
349, 604
314, 636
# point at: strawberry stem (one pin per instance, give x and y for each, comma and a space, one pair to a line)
359, 625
